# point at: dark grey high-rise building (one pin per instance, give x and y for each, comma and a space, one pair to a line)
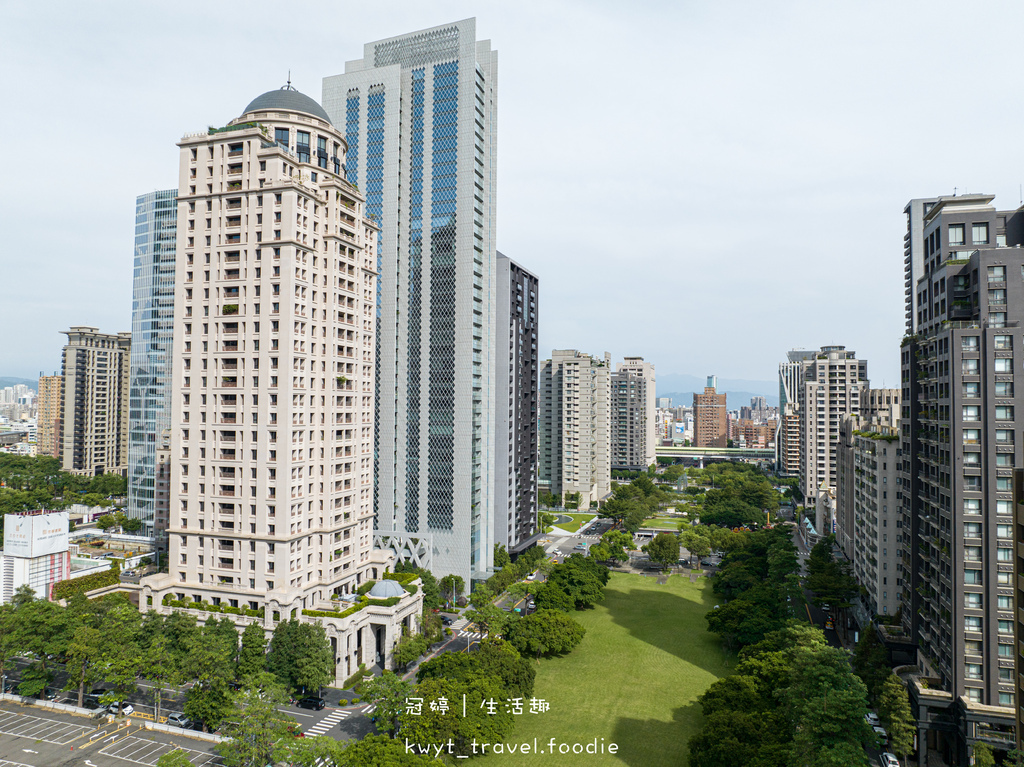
959, 447
517, 368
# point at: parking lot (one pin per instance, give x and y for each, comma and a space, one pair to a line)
39, 728
141, 750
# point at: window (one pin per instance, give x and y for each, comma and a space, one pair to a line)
972, 647
1004, 388
972, 459
956, 234
1003, 365
972, 529
997, 319
1004, 485
972, 601
1004, 413
1004, 603
972, 577
302, 145
997, 296
1004, 554
995, 273
1006, 699
971, 413
973, 694
1003, 579
969, 343
972, 436
972, 483
972, 623
1004, 459
1005, 650
979, 236
971, 389
972, 506
969, 367
1006, 675
1004, 507
972, 554
1005, 627
973, 671
281, 137
1002, 342
1004, 436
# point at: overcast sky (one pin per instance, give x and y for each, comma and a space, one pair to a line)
705, 184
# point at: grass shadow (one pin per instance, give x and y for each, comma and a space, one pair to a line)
642, 742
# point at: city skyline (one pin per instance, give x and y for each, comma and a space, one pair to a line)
824, 156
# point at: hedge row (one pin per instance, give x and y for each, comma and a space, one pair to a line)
212, 608
67, 589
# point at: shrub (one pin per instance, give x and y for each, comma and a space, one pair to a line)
343, 702
67, 589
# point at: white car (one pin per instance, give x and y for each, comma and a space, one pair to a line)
888, 760
872, 718
881, 733
122, 709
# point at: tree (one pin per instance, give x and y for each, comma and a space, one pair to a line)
871, 662
545, 632
435, 726
501, 557
409, 648
83, 652
695, 542
132, 525
300, 655
663, 549
983, 756
552, 597
894, 711
40, 629
106, 522
369, 751
489, 617
388, 693
258, 733
252, 658
159, 666
614, 546
431, 590
175, 758
451, 587
582, 578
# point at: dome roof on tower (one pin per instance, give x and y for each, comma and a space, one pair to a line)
287, 99
386, 589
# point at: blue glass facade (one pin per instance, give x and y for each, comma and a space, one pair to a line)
443, 181
149, 405
375, 102
412, 442
352, 137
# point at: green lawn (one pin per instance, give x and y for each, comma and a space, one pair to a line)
663, 523
633, 681
578, 520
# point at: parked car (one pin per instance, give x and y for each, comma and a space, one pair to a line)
311, 701
872, 718
531, 605
580, 547
829, 623
120, 709
888, 760
881, 733
179, 720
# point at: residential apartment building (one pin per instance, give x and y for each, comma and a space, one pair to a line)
710, 420
149, 393
271, 449
575, 425
960, 446
633, 435
94, 407
48, 415
867, 503
787, 438
834, 383
745, 432
419, 113
517, 363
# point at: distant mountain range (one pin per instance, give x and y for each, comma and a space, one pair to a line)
739, 391
32, 383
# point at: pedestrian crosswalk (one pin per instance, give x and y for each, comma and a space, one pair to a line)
325, 724
370, 709
473, 634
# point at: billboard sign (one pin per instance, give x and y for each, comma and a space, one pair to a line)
35, 535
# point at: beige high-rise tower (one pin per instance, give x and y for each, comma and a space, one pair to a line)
94, 404
271, 507
575, 425
48, 415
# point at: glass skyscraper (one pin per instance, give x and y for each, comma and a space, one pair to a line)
149, 406
430, 98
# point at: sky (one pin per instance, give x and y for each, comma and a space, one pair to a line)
706, 185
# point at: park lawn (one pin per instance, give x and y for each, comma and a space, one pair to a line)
633, 680
578, 520
664, 523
